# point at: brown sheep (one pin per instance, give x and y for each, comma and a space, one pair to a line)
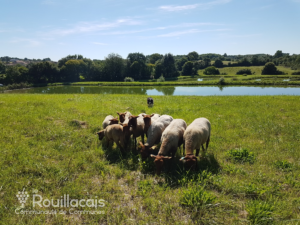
115, 133
124, 117
137, 125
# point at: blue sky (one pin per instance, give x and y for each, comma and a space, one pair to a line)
95, 28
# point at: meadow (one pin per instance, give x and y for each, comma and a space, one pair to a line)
254, 69
249, 175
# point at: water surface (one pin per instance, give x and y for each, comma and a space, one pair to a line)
165, 90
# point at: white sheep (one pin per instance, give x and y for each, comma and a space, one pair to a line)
195, 136
108, 121
154, 134
171, 139
148, 119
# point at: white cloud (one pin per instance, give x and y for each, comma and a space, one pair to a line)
192, 31
92, 27
172, 8
30, 42
207, 5
182, 25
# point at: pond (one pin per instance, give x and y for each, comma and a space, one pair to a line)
164, 90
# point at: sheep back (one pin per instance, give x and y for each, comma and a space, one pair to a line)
157, 128
171, 136
196, 134
106, 121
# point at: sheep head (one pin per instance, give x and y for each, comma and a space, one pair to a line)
159, 162
190, 161
147, 119
101, 134
121, 116
132, 121
146, 150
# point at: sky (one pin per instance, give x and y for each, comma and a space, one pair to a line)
95, 28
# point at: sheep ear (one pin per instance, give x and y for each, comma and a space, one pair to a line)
167, 157
153, 156
153, 147
118, 113
141, 143
152, 114
182, 158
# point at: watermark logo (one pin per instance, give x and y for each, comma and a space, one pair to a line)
51, 206
22, 197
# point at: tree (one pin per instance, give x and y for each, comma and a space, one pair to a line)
13, 75
72, 70
114, 67
193, 56
211, 71
254, 60
270, 69
278, 54
136, 66
187, 68
154, 57
168, 63
244, 62
158, 69
43, 72
2, 68
181, 62
206, 62
218, 63
62, 61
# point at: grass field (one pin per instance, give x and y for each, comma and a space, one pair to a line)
250, 174
256, 69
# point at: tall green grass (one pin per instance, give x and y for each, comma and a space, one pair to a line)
43, 150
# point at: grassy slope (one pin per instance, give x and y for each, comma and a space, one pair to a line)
41, 149
256, 69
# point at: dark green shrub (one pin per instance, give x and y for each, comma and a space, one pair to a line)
161, 79
271, 69
244, 71
128, 79
260, 212
196, 197
296, 73
221, 81
283, 165
241, 155
211, 71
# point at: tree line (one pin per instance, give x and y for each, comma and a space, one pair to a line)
74, 68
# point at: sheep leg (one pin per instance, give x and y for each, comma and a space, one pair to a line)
143, 138
120, 146
197, 151
207, 142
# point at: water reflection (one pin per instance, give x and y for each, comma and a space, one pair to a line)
165, 90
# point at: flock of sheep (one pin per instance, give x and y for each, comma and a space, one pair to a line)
172, 133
